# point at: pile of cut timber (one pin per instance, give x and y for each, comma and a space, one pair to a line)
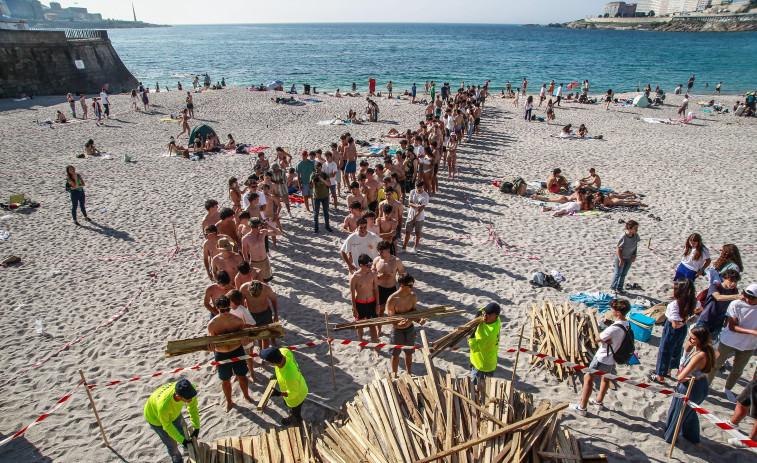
433, 312
293, 444
562, 331
449, 340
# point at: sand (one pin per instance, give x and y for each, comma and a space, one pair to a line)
695, 177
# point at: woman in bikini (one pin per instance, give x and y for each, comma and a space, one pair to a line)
550, 110
601, 200
235, 195
230, 143
452, 156
89, 148
184, 124
83, 102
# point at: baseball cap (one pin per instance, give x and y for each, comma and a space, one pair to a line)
304, 152
751, 290
185, 390
272, 355
492, 308
225, 244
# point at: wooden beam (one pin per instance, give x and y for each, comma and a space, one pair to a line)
434, 312
507, 429
266, 395
187, 346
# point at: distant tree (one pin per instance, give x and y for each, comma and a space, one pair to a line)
607, 15
617, 15
651, 13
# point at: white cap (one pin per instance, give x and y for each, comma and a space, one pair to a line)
751, 290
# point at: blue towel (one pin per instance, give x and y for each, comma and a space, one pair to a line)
601, 301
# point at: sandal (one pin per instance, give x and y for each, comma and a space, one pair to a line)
653, 378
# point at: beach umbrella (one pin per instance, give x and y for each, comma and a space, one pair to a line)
573, 85
275, 85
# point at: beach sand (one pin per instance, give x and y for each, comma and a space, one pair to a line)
695, 177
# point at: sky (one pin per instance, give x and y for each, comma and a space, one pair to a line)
294, 11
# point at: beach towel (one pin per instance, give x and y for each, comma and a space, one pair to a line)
533, 201
331, 122
655, 120
296, 199
257, 149
168, 119
600, 301
588, 212
313, 100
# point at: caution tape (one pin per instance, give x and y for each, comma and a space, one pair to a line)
642, 385
101, 325
661, 260
49, 412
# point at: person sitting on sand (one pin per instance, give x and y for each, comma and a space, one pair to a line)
60, 117
392, 133
557, 182
582, 131
230, 143
585, 202
601, 200
174, 149
89, 148
566, 133
592, 181
337, 94
352, 117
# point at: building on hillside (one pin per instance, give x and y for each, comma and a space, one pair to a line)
682, 6
620, 9
703, 4
660, 7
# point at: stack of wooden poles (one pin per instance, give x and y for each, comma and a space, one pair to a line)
564, 332
420, 419
433, 312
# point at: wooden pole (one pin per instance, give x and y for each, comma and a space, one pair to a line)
649, 243
515, 367
176, 240
331, 353
680, 417
92, 402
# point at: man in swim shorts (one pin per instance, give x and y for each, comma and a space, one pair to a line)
253, 247
262, 303
557, 182
224, 323
403, 332
387, 267
350, 159
364, 292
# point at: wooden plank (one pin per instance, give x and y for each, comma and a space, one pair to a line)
454, 337
257, 448
236, 449
504, 430
187, 346
266, 395
390, 395
274, 446
285, 446
433, 312
448, 434
295, 441
247, 452
213, 453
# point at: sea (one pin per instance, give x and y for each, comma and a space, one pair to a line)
336, 55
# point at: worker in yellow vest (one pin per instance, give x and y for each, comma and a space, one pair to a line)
292, 384
163, 412
484, 344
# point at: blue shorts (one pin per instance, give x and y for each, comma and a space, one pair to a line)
306, 190
332, 189
350, 167
685, 272
237, 368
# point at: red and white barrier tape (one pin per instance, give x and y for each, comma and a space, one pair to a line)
661, 260
101, 325
642, 385
49, 412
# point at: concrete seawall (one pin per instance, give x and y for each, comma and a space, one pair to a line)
58, 62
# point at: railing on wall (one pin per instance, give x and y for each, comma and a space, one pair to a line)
78, 34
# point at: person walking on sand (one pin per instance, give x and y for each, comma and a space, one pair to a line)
684, 106
162, 411
292, 385
320, 184
559, 94
542, 94
98, 110
184, 124
389, 88
746, 404
529, 108
604, 360
608, 99
484, 345
525, 84
75, 186
417, 202
105, 102
717, 89
305, 169
625, 256
190, 106
224, 323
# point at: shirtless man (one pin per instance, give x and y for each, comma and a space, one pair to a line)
364, 294
562, 199
356, 195
210, 249
556, 182
592, 181
222, 324
476, 118
350, 222
226, 225
211, 217
397, 213
243, 226
253, 207
387, 227
403, 333
370, 189
370, 217
222, 286
253, 247
246, 274
260, 299
350, 159
386, 267
226, 259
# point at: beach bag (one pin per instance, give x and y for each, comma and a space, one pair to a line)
241, 148
506, 187
626, 350
519, 186
537, 279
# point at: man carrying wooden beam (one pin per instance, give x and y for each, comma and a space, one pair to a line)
403, 332
484, 345
292, 385
163, 412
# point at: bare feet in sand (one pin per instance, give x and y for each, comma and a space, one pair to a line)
228, 406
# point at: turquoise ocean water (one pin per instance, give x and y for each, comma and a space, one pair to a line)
335, 55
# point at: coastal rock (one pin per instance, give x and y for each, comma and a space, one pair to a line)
687, 25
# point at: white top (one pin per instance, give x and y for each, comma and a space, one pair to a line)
543, 92
419, 199
695, 265
104, 98
357, 245
261, 200
330, 169
746, 316
242, 312
419, 150
559, 90
615, 333
671, 313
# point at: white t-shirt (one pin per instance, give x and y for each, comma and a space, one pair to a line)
104, 98
419, 199
615, 333
747, 318
695, 265
246, 202
543, 92
330, 168
559, 90
357, 245
419, 150
671, 313
242, 312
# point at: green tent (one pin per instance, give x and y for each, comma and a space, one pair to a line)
202, 131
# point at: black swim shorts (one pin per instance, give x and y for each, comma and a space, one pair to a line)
238, 368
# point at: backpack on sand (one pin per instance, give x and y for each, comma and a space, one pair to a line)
519, 186
626, 350
506, 187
